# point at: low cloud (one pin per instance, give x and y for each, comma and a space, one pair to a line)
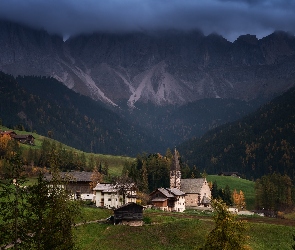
229, 18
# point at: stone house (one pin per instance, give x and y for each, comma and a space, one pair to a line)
197, 192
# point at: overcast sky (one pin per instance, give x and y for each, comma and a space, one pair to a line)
229, 18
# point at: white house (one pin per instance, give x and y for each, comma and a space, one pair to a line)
109, 196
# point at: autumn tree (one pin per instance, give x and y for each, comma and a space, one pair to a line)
96, 177
229, 233
239, 199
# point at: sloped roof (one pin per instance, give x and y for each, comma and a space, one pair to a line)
23, 136
74, 176
130, 204
192, 186
105, 187
176, 191
166, 192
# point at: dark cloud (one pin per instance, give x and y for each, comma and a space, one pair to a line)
229, 18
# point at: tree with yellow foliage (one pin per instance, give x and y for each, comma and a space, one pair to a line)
239, 199
229, 233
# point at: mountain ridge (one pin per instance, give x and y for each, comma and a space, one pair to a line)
165, 68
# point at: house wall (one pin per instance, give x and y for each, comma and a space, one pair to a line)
192, 200
179, 205
163, 205
112, 200
205, 190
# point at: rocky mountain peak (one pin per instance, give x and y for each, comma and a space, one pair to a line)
162, 67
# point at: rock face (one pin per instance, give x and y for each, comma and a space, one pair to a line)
167, 67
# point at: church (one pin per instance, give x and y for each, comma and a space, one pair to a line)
183, 193
197, 191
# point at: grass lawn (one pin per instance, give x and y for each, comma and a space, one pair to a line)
236, 183
167, 231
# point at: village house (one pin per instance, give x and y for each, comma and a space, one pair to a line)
168, 199
109, 196
78, 183
25, 139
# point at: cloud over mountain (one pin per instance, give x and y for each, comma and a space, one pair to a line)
229, 18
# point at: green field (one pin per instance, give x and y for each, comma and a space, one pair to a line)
175, 231
239, 184
115, 163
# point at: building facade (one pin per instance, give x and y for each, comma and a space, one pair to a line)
109, 196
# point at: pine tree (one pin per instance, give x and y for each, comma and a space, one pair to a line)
145, 183
214, 190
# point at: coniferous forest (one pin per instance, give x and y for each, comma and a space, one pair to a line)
259, 144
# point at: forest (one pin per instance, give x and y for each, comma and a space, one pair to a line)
259, 144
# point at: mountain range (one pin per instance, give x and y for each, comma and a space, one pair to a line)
142, 91
160, 67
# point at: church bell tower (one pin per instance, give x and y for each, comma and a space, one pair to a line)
175, 174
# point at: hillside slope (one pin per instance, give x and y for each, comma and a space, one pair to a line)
51, 109
260, 143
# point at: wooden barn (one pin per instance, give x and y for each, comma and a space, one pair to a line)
25, 139
129, 214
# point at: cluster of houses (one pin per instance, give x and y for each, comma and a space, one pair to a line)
26, 139
182, 193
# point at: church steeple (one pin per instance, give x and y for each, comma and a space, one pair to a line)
175, 173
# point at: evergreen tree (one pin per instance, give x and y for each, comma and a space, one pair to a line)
229, 233
214, 191
12, 198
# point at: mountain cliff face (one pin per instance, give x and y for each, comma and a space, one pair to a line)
162, 68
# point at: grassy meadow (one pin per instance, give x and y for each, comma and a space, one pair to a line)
167, 231
236, 183
115, 163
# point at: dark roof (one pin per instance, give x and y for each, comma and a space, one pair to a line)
229, 173
192, 186
127, 205
168, 193
22, 136
175, 191
74, 176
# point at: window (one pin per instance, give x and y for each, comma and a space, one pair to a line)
109, 199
